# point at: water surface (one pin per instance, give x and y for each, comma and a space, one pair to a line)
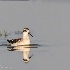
48, 23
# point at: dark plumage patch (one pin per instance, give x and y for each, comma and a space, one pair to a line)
26, 28
24, 31
13, 40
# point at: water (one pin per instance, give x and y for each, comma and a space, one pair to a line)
48, 23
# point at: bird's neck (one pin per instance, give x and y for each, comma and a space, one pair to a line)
25, 36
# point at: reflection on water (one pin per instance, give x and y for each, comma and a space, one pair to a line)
43, 53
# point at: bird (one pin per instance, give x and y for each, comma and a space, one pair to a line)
17, 44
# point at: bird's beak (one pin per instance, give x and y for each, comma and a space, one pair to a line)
30, 34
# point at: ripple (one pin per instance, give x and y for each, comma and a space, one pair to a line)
5, 67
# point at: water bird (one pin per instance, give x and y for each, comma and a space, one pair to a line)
22, 41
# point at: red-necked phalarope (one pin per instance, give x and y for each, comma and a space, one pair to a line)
22, 41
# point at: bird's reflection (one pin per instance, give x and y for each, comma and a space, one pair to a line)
25, 52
